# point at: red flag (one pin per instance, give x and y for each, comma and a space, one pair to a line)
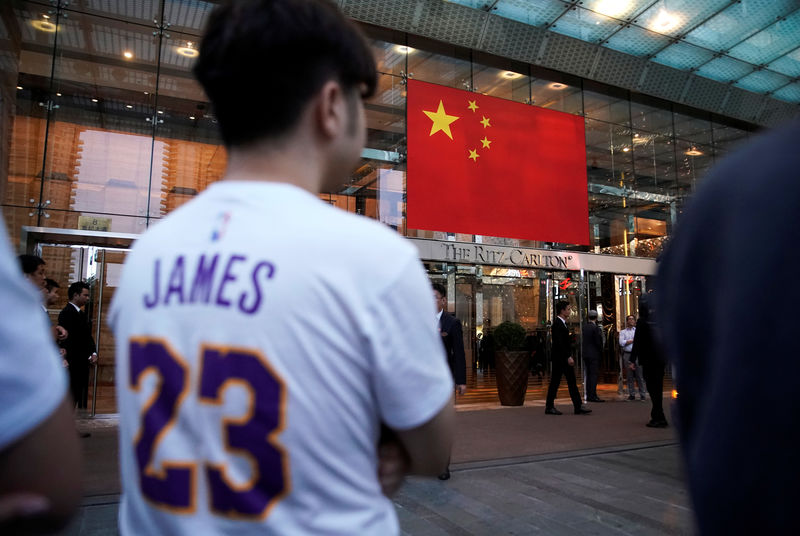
489, 166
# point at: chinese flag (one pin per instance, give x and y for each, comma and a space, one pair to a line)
488, 166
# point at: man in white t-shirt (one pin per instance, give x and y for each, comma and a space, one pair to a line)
40, 463
263, 336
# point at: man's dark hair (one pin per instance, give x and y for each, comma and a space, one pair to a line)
261, 61
630, 316
50, 284
76, 288
438, 287
560, 306
30, 263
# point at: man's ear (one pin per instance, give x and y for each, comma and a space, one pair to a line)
331, 109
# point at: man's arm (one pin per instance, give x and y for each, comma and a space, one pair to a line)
459, 359
428, 446
44, 464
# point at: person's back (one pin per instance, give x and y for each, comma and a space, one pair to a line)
260, 332
738, 389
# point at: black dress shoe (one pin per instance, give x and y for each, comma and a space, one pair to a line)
657, 424
445, 475
582, 411
552, 411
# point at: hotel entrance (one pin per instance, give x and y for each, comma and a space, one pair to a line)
96, 258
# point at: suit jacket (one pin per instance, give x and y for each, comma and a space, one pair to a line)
562, 345
646, 348
592, 341
451, 332
79, 343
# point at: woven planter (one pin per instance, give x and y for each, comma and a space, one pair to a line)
512, 377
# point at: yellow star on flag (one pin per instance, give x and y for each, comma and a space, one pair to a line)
473, 154
473, 106
486, 142
484, 121
441, 121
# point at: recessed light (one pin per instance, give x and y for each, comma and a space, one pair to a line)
128, 54
19, 87
58, 94
694, 152
626, 149
129, 106
94, 100
556, 85
665, 21
402, 49
511, 75
44, 26
45, 16
146, 92
161, 111
191, 117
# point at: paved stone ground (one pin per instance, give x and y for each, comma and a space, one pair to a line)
634, 490
515, 471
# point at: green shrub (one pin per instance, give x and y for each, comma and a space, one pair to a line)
509, 336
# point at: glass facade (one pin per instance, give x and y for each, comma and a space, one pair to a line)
105, 129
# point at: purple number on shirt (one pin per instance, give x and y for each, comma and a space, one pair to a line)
251, 436
171, 487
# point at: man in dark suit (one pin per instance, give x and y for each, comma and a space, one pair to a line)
592, 350
80, 347
647, 354
563, 363
451, 332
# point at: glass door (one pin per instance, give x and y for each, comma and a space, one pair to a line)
100, 269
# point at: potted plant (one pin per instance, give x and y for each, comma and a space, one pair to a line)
511, 362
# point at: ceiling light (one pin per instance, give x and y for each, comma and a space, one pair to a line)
402, 49
129, 106
665, 21
188, 51
511, 75
694, 152
58, 94
556, 85
128, 54
146, 92
44, 26
611, 8
94, 100
19, 87
626, 149
191, 117
161, 111
45, 16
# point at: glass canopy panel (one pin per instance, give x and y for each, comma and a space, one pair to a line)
788, 64
683, 56
739, 21
474, 4
763, 81
585, 25
539, 13
725, 69
790, 93
771, 42
637, 41
619, 9
672, 17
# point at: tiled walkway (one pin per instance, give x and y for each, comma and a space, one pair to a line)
515, 471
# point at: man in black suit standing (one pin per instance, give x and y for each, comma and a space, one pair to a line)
647, 354
563, 363
80, 347
592, 350
451, 332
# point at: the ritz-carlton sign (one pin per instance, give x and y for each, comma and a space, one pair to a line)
497, 255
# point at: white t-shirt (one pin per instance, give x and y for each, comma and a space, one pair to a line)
265, 335
32, 384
